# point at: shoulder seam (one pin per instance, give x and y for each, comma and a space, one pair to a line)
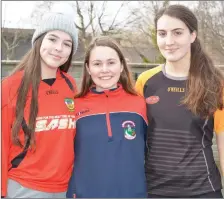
145, 76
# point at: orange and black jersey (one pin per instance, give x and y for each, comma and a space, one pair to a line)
179, 160
49, 167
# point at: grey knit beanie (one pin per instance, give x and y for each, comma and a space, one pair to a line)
61, 17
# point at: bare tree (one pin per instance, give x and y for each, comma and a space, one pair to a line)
211, 25
93, 19
85, 10
114, 26
144, 14
11, 37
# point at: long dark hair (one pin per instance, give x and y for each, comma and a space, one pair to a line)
31, 65
204, 87
126, 78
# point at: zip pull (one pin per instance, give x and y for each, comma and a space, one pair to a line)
107, 93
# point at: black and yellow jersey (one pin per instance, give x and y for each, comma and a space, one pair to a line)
179, 160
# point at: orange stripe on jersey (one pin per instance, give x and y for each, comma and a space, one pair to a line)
143, 77
219, 119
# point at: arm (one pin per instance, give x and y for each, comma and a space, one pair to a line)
219, 130
220, 145
5, 134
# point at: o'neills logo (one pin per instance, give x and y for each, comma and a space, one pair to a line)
152, 99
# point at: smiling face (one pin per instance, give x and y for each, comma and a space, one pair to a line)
174, 38
55, 49
104, 67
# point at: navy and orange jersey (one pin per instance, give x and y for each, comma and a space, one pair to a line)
109, 146
179, 159
49, 167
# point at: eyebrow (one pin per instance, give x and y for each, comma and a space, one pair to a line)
69, 40
111, 59
171, 30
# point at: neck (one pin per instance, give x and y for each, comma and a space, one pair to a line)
179, 68
48, 72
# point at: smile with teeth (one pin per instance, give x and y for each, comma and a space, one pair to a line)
106, 78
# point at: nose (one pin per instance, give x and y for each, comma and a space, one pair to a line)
169, 39
58, 46
105, 68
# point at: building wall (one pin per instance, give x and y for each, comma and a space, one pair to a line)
25, 45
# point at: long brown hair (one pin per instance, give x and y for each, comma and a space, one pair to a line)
126, 78
31, 65
204, 87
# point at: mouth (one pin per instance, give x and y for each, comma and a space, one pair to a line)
105, 78
171, 50
56, 56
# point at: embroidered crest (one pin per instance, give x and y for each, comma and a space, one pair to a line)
70, 104
129, 130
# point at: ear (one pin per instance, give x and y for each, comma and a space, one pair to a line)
87, 68
193, 36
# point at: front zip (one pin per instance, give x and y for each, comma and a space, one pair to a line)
108, 118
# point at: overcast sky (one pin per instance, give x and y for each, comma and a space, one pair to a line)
16, 14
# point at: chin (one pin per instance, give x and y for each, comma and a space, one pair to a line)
53, 64
107, 86
173, 58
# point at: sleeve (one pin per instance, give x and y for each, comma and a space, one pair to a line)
139, 85
144, 115
144, 111
5, 134
219, 121
143, 78
71, 187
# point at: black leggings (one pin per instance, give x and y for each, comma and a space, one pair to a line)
216, 194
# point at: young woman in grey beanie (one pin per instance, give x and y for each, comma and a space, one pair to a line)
37, 112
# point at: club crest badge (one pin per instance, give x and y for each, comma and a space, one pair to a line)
129, 130
70, 104
152, 100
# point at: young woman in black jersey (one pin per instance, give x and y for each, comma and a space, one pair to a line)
184, 97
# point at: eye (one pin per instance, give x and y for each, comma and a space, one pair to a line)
68, 45
111, 62
52, 39
161, 34
177, 33
96, 64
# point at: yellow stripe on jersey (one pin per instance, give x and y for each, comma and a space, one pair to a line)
143, 77
219, 119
